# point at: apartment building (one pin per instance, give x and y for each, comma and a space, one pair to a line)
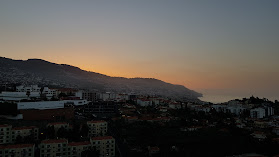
87, 95
18, 150
257, 113
58, 125
97, 128
5, 134
54, 148
31, 88
24, 132
76, 148
105, 145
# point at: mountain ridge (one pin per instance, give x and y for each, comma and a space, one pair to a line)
39, 71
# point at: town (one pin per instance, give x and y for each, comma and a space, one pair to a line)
46, 122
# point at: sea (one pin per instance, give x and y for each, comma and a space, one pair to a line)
221, 96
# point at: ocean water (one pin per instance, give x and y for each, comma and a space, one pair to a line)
220, 96
215, 98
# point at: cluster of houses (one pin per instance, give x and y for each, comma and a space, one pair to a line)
105, 145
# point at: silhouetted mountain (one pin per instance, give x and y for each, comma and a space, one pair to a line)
37, 71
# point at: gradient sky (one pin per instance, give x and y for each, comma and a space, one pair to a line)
204, 45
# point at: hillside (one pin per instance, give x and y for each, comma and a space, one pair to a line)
37, 71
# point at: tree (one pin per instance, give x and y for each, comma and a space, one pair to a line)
28, 93
62, 132
90, 152
84, 130
19, 139
50, 133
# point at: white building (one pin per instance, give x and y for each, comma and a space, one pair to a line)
219, 108
31, 88
25, 131
75, 149
144, 102
5, 134
105, 145
108, 96
174, 105
49, 93
40, 105
76, 102
87, 95
237, 110
18, 96
97, 128
257, 113
18, 150
54, 147
269, 111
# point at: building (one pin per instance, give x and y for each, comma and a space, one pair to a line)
144, 102
50, 93
153, 150
49, 114
5, 134
18, 96
107, 96
9, 134
175, 105
58, 125
76, 102
31, 131
237, 110
105, 145
66, 91
97, 128
76, 148
31, 88
89, 96
54, 148
257, 113
18, 150
40, 105
101, 107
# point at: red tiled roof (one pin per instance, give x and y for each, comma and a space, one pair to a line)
57, 123
79, 143
24, 128
66, 89
96, 121
146, 118
4, 126
130, 118
16, 146
102, 138
155, 148
54, 141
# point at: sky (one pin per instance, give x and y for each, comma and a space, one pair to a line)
216, 47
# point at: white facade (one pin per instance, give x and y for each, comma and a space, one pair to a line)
257, 113
174, 105
219, 108
42, 105
18, 96
237, 110
144, 102
107, 96
105, 145
31, 88
49, 93
269, 111
5, 136
76, 102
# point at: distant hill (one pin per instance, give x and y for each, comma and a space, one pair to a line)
37, 71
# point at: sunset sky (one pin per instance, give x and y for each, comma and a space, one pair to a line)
230, 46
